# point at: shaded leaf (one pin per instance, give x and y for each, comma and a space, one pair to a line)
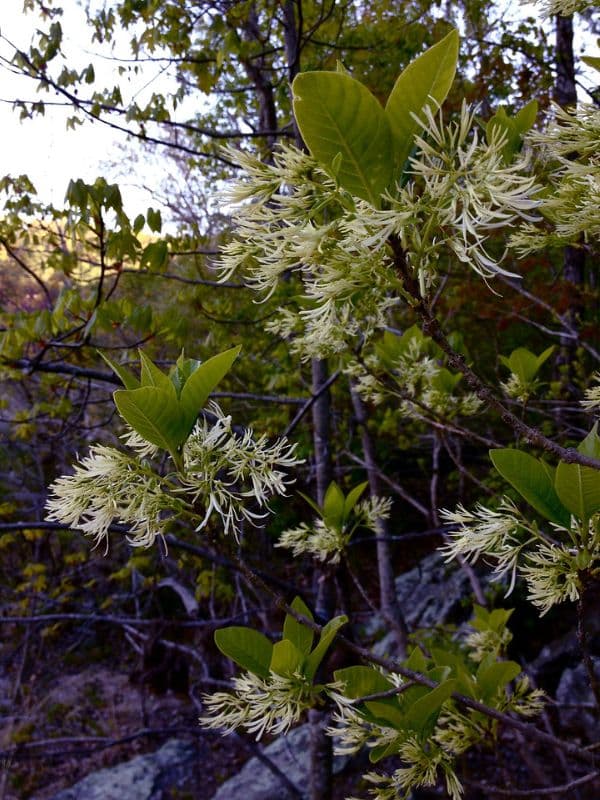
425, 81
337, 114
250, 649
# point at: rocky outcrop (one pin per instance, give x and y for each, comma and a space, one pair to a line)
260, 778
145, 777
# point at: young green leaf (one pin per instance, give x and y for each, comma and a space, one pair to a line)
202, 382
300, 635
333, 506
578, 489
495, 676
152, 375
154, 413
425, 81
352, 498
337, 114
327, 636
362, 681
127, 377
590, 446
250, 649
422, 715
528, 476
286, 659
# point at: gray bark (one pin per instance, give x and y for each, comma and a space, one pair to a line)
388, 601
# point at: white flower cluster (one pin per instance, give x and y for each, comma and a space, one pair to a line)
222, 470
565, 8
258, 704
468, 191
572, 206
110, 486
592, 395
422, 385
292, 218
551, 566
518, 389
326, 543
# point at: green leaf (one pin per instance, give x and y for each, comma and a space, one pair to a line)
362, 681
383, 751
425, 81
155, 256
578, 489
523, 363
528, 476
493, 678
152, 375
297, 633
181, 371
202, 382
388, 712
315, 506
249, 649
592, 61
327, 636
422, 715
525, 118
333, 506
337, 114
352, 498
128, 379
286, 659
155, 414
590, 446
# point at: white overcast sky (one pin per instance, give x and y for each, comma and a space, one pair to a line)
43, 149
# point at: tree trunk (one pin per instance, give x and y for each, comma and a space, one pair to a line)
388, 600
321, 747
573, 257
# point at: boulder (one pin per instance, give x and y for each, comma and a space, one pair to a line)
432, 593
577, 708
144, 777
290, 755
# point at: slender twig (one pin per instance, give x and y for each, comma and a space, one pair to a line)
563, 789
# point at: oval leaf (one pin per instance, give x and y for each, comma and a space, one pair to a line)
425, 81
527, 475
297, 633
286, 659
249, 649
154, 413
338, 115
327, 636
578, 489
202, 382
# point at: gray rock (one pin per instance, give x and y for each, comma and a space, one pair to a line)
578, 713
142, 778
432, 593
291, 755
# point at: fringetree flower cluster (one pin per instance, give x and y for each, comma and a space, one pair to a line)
224, 473
551, 562
571, 205
292, 217
327, 542
259, 704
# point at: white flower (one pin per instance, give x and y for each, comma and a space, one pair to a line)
565, 8
485, 532
109, 486
258, 704
592, 395
227, 471
468, 190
